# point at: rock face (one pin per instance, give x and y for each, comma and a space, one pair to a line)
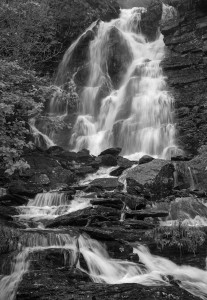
153, 180
185, 66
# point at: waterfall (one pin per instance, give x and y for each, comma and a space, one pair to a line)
131, 109
51, 205
150, 271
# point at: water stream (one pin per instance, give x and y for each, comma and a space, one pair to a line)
152, 270
136, 114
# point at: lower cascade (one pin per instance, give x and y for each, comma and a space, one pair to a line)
151, 270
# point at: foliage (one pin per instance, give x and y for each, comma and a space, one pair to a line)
21, 97
27, 32
185, 238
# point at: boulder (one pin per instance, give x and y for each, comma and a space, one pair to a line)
85, 216
107, 184
154, 180
124, 162
134, 202
111, 151
117, 172
114, 203
187, 208
108, 160
119, 56
145, 159
142, 214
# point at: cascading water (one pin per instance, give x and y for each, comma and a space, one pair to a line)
51, 205
137, 112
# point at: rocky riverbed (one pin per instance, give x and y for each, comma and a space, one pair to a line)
116, 211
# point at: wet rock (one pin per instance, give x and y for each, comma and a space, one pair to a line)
119, 56
114, 203
85, 217
124, 162
142, 214
108, 160
134, 202
196, 174
84, 170
117, 172
28, 189
153, 180
187, 208
145, 159
13, 200
111, 151
107, 184
61, 284
111, 233
150, 20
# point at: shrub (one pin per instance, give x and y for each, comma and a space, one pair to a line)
185, 238
22, 95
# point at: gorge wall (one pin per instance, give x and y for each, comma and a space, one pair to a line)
185, 66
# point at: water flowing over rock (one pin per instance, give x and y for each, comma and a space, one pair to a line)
125, 86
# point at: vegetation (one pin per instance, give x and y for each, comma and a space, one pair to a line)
184, 238
22, 97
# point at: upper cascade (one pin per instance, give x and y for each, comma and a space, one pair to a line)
124, 101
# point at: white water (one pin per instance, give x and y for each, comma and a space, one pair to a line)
51, 205
141, 107
28, 244
40, 139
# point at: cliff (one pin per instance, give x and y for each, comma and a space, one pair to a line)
185, 66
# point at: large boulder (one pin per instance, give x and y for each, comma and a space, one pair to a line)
119, 56
151, 19
154, 180
108, 184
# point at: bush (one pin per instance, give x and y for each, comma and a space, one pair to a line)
184, 238
27, 32
22, 95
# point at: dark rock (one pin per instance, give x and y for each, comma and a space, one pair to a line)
114, 203
85, 216
124, 162
185, 67
119, 57
28, 189
145, 159
154, 179
150, 20
55, 150
111, 151
107, 184
13, 200
187, 207
142, 214
108, 160
134, 202
134, 3
117, 172
61, 283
